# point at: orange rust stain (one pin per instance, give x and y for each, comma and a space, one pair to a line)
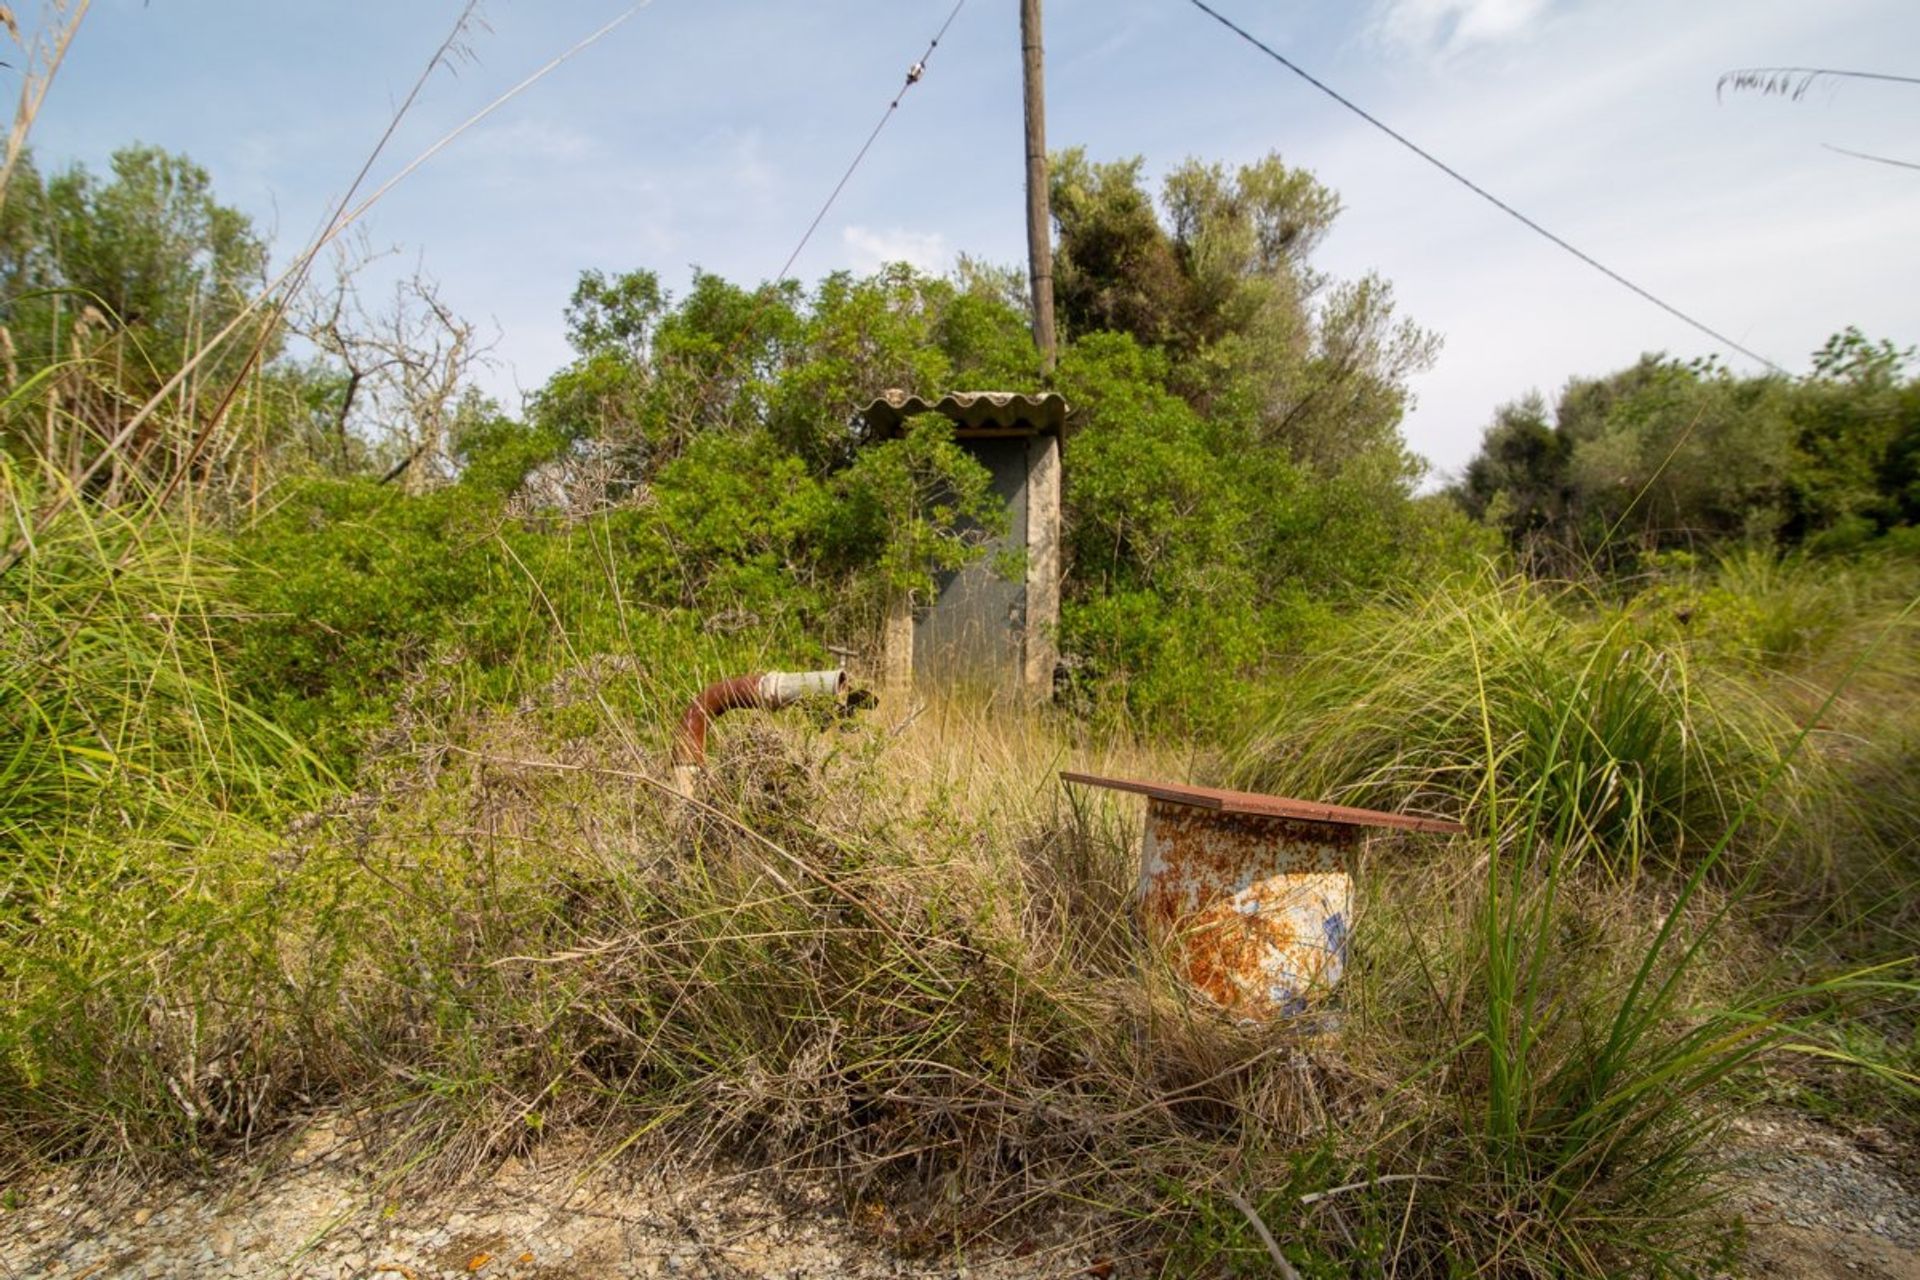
1197, 861
1223, 950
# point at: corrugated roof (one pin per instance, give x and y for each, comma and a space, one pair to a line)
1219, 801
970, 410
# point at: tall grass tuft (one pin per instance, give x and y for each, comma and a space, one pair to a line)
1632, 748
137, 795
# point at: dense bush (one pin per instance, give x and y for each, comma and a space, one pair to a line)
738, 559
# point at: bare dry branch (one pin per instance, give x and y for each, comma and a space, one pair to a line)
1794, 82
48, 51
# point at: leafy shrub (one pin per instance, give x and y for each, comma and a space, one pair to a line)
1199, 558
355, 592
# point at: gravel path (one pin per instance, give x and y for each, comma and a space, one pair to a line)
1817, 1206
316, 1215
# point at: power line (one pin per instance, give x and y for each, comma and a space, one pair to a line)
1479, 190
768, 293
1862, 155
914, 73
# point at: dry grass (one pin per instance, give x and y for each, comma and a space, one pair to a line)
899, 956
893, 953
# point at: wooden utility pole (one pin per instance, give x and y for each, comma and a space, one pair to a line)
1039, 224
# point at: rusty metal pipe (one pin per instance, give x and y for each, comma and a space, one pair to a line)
764, 690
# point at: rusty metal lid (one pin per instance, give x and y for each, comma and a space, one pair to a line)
1003, 411
1218, 801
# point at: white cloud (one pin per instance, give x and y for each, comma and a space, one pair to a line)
872, 249
747, 167
531, 140
1447, 26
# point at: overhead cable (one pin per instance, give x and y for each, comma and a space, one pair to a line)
1479, 190
915, 72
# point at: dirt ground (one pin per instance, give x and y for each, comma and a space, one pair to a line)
313, 1212
1817, 1205
1820, 1205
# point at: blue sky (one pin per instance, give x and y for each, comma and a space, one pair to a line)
707, 132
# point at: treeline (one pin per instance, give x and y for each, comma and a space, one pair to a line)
1669, 455
1234, 464
1235, 474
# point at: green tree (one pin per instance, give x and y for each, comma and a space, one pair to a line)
108, 284
1518, 481
1668, 454
150, 248
653, 373
1224, 282
1115, 268
1236, 462
1857, 439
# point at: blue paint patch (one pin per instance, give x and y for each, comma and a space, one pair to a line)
1335, 927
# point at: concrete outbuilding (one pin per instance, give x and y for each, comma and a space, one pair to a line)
982, 629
